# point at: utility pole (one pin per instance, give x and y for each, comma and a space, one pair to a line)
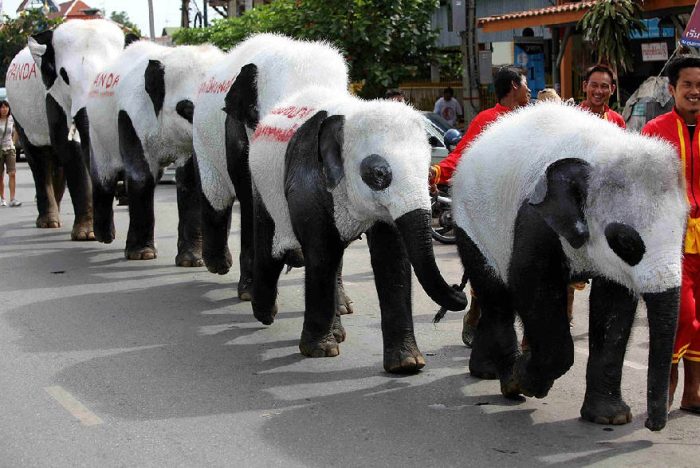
185, 16
232, 8
151, 21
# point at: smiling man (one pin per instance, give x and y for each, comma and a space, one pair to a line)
679, 127
598, 85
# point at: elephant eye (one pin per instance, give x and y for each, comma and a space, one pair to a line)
376, 172
625, 242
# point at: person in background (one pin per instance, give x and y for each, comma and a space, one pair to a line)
395, 95
599, 85
680, 128
8, 157
448, 107
510, 84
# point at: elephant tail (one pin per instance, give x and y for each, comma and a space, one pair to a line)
460, 287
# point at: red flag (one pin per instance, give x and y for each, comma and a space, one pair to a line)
691, 35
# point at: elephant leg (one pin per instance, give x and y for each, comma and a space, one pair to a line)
103, 192
494, 347
322, 259
75, 170
392, 277
239, 172
612, 310
39, 161
58, 179
140, 188
344, 301
266, 268
189, 227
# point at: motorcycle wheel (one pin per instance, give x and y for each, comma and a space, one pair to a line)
444, 231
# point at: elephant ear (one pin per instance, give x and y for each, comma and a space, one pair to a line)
559, 197
330, 149
41, 48
155, 84
241, 102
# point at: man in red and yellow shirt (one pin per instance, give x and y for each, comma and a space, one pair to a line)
510, 84
679, 127
599, 85
512, 92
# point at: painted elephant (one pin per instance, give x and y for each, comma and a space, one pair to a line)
25, 92
69, 58
252, 78
140, 109
326, 168
552, 194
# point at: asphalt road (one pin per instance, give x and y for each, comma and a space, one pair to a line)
108, 362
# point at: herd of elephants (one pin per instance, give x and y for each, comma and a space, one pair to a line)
547, 195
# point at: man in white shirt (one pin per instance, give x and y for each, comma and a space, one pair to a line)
448, 107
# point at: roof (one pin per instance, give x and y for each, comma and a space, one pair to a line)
566, 7
74, 9
567, 13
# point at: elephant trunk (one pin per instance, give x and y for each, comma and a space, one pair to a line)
414, 227
662, 312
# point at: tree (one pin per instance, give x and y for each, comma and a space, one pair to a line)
122, 18
608, 25
384, 41
15, 32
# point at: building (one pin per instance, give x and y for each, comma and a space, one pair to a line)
75, 9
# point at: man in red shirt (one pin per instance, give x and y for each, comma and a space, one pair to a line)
510, 84
598, 85
679, 127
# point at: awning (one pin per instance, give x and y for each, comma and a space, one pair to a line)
567, 13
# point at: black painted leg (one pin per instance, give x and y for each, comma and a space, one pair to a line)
189, 228
140, 188
612, 310
266, 268
392, 276
103, 202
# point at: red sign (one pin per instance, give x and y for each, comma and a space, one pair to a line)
691, 35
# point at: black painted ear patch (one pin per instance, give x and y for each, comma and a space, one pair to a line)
625, 242
376, 172
155, 84
64, 75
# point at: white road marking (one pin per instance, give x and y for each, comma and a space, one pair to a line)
73, 406
631, 364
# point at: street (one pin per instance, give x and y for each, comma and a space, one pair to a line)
108, 362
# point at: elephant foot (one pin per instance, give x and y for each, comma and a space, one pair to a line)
338, 330
82, 231
606, 410
525, 382
218, 264
48, 222
188, 259
104, 235
313, 347
245, 288
485, 370
344, 301
140, 253
403, 356
266, 317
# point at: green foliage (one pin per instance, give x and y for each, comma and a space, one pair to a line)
608, 25
15, 32
122, 18
384, 41
451, 65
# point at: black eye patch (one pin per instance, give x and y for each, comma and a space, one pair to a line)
376, 172
626, 242
64, 75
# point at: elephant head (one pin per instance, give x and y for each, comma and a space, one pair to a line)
373, 157
625, 221
70, 56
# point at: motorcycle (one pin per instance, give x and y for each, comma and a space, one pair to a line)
442, 227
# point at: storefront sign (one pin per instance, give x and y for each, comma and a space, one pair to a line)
654, 51
691, 35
